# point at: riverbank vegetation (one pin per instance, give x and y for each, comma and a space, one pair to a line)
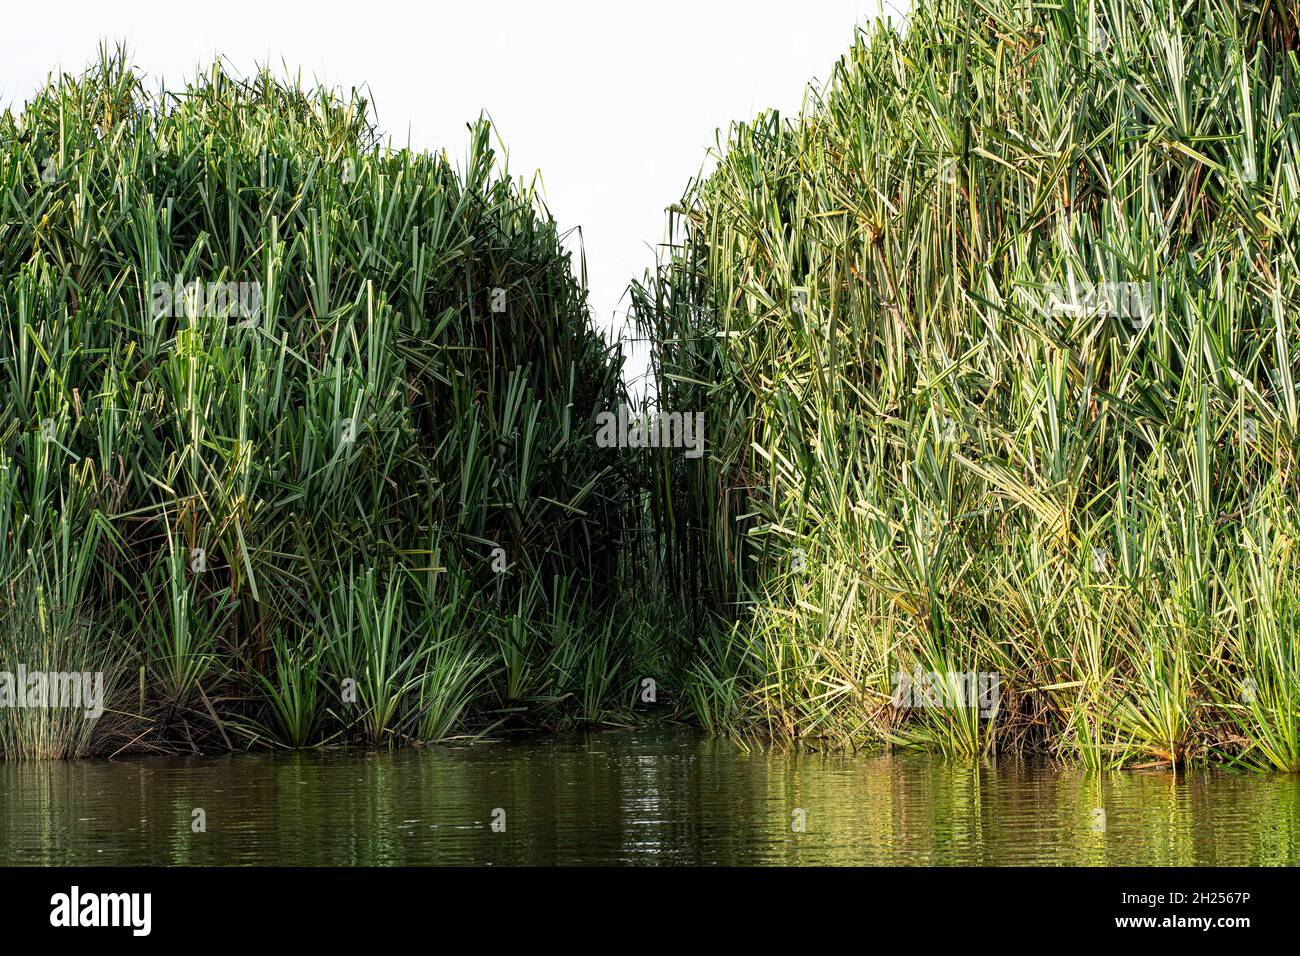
996, 345
992, 343
295, 441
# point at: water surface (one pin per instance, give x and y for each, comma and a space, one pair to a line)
636, 797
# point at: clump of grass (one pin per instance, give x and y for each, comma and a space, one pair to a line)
293, 695
43, 629
400, 379
993, 347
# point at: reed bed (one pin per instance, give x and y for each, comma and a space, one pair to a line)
996, 347
352, 500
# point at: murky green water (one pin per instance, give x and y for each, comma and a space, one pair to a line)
633, 797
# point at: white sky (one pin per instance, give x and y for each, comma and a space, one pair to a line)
615, 102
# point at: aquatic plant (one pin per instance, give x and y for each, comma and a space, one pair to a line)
993, 346
290, 372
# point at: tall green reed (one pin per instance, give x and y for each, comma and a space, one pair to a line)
992, 346
294, 374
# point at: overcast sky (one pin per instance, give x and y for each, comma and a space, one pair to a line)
614, 102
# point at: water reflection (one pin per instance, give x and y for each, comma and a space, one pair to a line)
634, 797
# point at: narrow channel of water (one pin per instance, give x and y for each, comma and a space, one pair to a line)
634, 797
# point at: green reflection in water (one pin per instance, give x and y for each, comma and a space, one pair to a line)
634, 797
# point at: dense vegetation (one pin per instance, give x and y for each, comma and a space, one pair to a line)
994, 348
273, 515
997, 348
